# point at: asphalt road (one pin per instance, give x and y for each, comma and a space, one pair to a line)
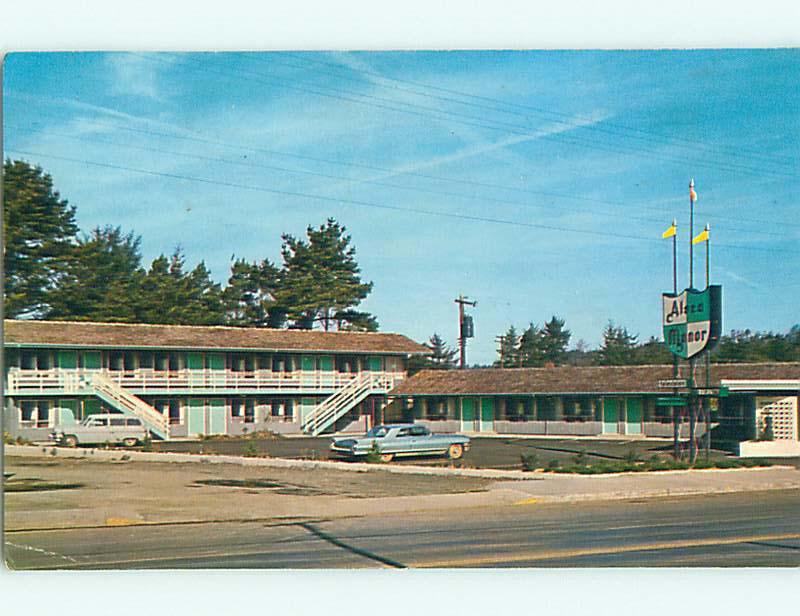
750, 529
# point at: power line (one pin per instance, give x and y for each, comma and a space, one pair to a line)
729, 150
251, 164
205, 140
470, 121
410, 210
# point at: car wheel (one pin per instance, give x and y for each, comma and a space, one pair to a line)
71, 440
387, 457
454, 452
130, 442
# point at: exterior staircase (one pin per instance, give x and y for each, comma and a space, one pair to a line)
111, 393
335, 406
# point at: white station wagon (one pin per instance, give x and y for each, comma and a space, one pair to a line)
100, 429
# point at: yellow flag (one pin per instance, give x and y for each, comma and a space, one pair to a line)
702, 237
673, 229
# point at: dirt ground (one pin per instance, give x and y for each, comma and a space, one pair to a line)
44, 492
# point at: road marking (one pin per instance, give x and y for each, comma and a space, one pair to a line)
121, 522
499, 559
41, 551
528, 501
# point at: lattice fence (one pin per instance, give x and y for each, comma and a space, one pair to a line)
783, 414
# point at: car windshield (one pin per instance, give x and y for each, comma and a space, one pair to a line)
377, 432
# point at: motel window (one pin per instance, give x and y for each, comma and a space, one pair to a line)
35, 413
36, 360
236, 408
236, 362
162, 362
116, 360
437, 409
162, 406
263, 362
12, 358
176, 362
282, 409
146, 360
249, 410
174, 412
129, 361
546, 408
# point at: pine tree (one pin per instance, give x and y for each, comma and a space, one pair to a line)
249, 297
509, 349
442, 356
321, 277
618, 347
531, 347
39, 233
101, 279
555, 339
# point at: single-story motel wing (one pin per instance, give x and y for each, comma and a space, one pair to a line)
184, 381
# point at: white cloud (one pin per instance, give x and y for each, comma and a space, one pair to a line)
133, 75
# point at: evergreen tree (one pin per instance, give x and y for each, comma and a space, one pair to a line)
172, 296
509, 349
652, 352
39, 231
249, 297
618, 347
555, 339
531, 347
321, 276
101, 279
442, 356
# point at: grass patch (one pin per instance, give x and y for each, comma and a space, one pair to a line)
651, 465
37, 485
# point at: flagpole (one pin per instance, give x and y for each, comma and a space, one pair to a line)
706, 402
675, 258
708, 243
691, 235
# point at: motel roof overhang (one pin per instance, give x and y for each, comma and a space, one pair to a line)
126, 336
594, 380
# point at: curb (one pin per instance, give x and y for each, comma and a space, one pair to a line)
354, 467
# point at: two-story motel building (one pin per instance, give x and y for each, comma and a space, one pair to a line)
184, 381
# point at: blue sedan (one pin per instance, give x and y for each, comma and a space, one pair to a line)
401, 440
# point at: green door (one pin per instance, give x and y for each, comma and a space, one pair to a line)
307, 363
487, 415
216, 361
216, 416
194, 362
468, 414
68, 411
374, 364
610, 416
195, 417
92, 360
326, 363
633, 416
68, 359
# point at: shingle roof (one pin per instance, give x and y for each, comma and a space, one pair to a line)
124, 335
573, 379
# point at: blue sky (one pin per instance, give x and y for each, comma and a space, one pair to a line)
537, 183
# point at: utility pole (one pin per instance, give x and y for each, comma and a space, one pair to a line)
464, 332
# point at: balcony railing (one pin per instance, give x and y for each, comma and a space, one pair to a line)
144, 381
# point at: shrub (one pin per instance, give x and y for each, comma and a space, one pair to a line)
250, 450
553, 464
631, 455
374, 454
530, 461
580, 458
8, 439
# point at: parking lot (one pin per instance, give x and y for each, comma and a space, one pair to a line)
485, 452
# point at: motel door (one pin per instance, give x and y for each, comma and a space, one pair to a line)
196, 417
487, 415
468, 415
610, 416
633, 416
216, 416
